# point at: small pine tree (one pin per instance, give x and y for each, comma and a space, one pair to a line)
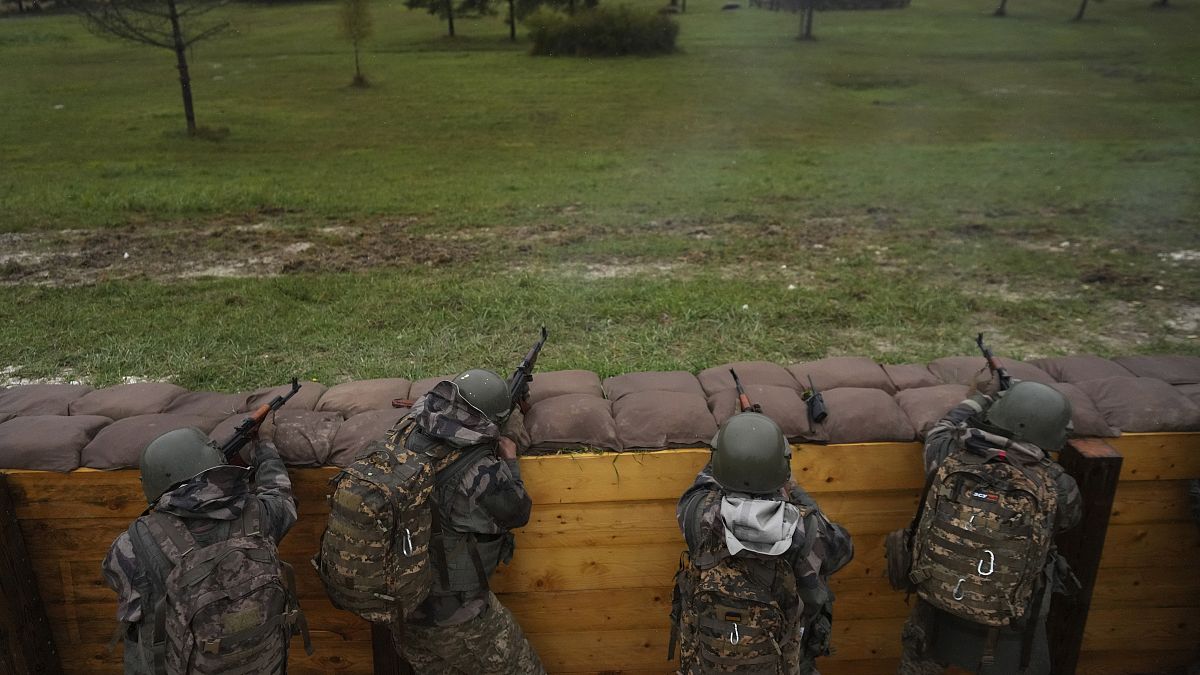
356, 27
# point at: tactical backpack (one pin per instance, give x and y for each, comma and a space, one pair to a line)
374, 553
223, 607
982, 538
740, 615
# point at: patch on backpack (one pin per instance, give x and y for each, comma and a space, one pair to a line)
237, 622
984, 496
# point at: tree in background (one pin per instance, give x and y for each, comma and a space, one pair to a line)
1002, 9
447, 9
356, 27
807, 8
1082, 7
158, 23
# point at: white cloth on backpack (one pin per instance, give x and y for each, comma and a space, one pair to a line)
761, 526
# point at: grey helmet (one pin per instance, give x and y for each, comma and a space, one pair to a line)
1032, 412
750, 454
174, 457
487, 392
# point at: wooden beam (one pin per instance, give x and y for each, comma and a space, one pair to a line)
26, 643
1096, 468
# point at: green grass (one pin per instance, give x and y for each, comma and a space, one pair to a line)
915, 171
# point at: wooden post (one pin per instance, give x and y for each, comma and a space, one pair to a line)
1095, 465
387, 661
26, 644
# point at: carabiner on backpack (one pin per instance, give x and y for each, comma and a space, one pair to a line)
734, 636
991, 562
959, 594
407, 546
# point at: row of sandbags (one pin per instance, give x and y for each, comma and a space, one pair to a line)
62, 427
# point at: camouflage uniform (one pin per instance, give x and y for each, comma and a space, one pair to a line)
461, 627
699, 516
932, 639
207, 504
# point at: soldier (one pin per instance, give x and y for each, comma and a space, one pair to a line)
462, 628
998, 526
208, 530
752, 591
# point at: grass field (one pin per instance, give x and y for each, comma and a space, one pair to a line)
908, 179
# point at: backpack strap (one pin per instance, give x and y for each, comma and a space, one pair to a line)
447, 477
169, 541
677, 605
988, 660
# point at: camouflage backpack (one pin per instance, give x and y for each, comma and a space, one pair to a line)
374, 553
982, 538
228, 606
740, 615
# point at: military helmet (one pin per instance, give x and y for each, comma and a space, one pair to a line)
486, 391
750, 454
174, 457
1033, 412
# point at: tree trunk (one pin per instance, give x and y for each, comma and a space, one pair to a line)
450, 15
512, 20
1000, 11
185, 81
807, 18
1079, 14
571, 7
358, 78
20, 6
683, 7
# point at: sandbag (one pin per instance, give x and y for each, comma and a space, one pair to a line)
127, 400
1191, 391
926, 405
911, 376
41, 399
207, 404
655, 419
303, 437
563, 382
422, 386
1085, 418
713, 380
842, 371
1136, 404
781, 404
356, 432
572, 421
965, 370
120, 444
862, 415
1079, 368
679, 381
353, 398
305, 399
47, 442
1170, 369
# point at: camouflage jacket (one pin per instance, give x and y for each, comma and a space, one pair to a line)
205, 503
699, 516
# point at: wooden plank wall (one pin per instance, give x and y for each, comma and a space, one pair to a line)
591, 579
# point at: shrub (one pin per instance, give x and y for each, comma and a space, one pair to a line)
602, 31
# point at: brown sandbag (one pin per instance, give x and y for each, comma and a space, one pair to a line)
572, 421
926, 405
47, 442
861, 415
911, 376
353, 398
1169, 369
1136, 404
303, 437
206, 404
656, 419
781, 404
120, 444
422, 386
842, 371
965, 370
679, 381
40, 399
305, 399
1085, 418
714, 379
1079, 368
562, 383
127, 400
356, 432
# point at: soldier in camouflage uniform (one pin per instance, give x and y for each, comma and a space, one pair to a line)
470, 425
1040, 420
745, 514
185, 475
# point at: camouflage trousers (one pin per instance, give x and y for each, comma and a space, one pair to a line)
490, 644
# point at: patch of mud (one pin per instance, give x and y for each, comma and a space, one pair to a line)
1186, 255
10, 376
1185, 320
262, 249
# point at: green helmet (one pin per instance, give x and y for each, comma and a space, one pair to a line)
1033, 412
487, 392
176, 456
750, 454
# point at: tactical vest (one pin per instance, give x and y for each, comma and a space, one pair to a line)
466, 559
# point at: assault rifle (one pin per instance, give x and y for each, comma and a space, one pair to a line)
994, 364
249, 426
744, 404
816, 403
518, 384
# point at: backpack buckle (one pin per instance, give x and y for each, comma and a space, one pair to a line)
991, 562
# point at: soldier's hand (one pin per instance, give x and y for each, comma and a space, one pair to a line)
506, 448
